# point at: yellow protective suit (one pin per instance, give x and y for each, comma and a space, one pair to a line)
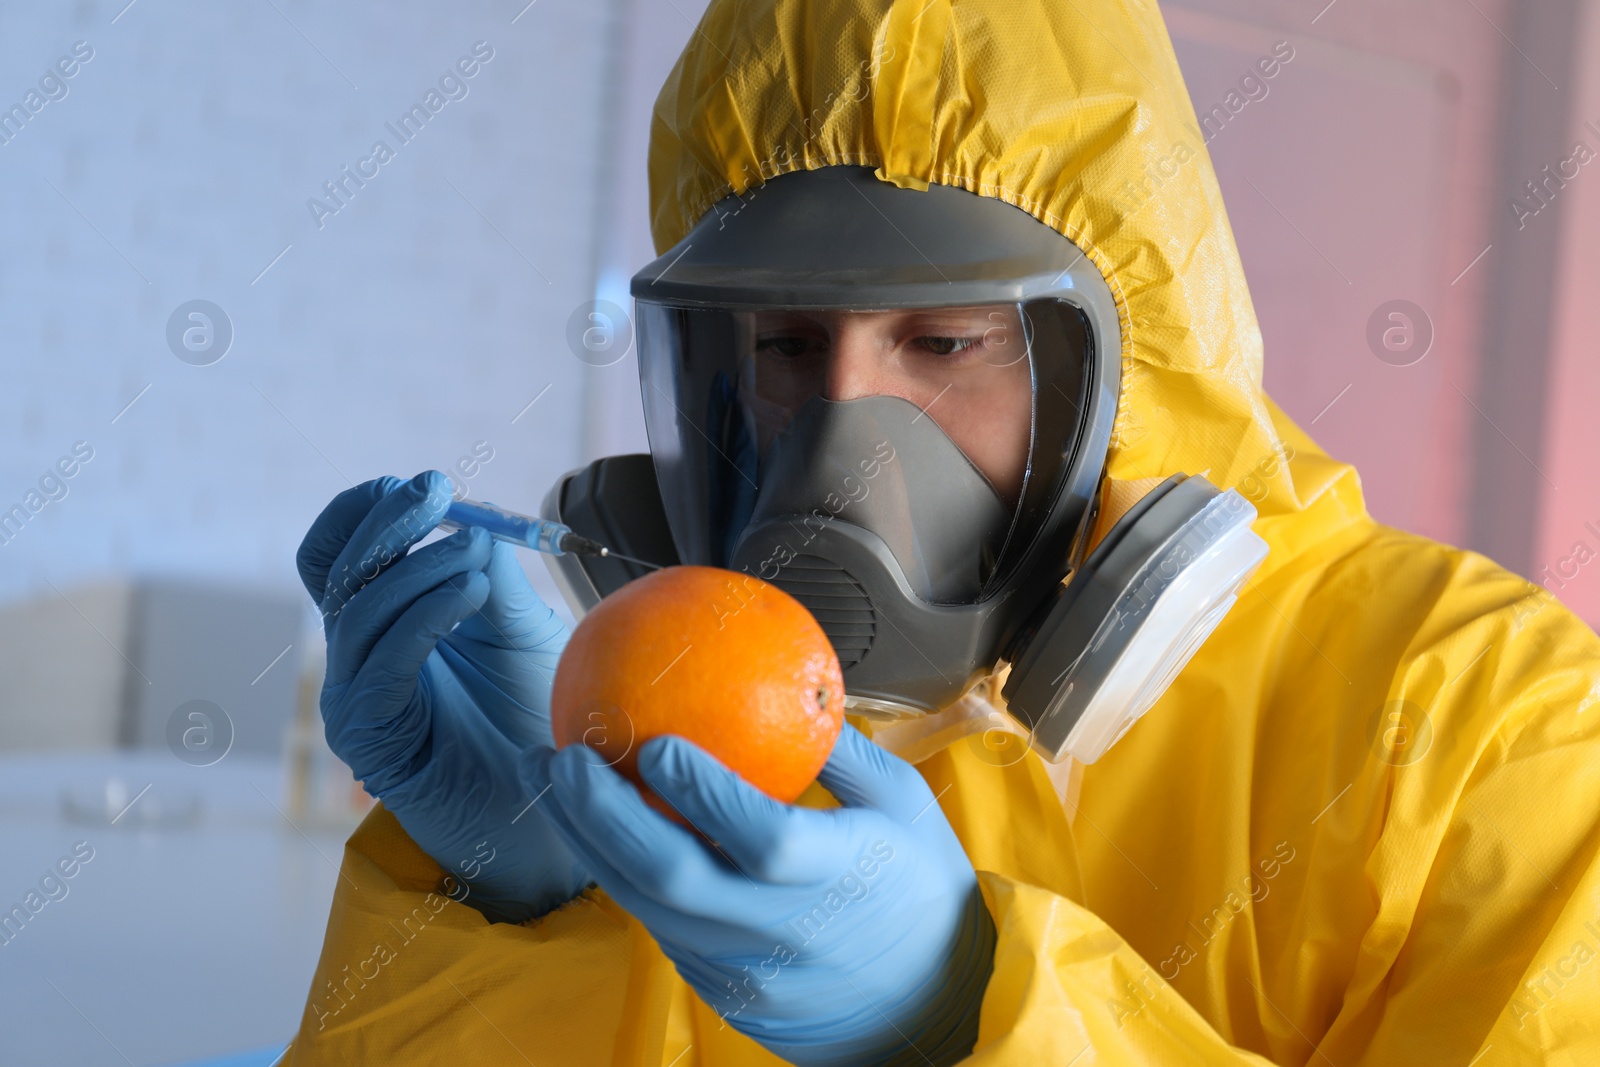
1362, 826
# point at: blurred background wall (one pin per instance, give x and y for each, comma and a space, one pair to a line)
1430, 160
1411, 189
367, 313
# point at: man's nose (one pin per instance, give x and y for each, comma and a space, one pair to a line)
855, 364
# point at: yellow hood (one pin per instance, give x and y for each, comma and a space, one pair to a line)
1074, 112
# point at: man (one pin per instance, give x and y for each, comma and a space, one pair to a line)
1359, 827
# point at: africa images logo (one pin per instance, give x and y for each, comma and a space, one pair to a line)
52, 88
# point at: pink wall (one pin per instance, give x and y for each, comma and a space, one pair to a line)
1568, 555
1371, 171
1361, 178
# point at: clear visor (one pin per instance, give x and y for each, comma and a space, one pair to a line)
944, 431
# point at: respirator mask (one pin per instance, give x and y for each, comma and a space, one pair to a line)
895, 405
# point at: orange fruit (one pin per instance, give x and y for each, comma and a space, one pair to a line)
719, 657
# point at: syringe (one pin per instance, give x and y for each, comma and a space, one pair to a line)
539, 534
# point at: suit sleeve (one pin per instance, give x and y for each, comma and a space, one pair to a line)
409, 976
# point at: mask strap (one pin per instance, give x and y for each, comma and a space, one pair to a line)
916, 738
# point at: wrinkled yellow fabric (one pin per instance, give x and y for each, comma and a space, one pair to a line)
1361, 828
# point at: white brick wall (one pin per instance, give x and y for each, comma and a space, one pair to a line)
391, 339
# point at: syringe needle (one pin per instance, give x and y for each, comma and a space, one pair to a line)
643, 563
583, 546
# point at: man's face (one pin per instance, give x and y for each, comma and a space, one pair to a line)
967, 368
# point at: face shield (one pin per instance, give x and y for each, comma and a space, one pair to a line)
923, 425
892, 404
896, 405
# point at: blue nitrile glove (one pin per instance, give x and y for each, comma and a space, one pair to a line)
854, 935
439, 670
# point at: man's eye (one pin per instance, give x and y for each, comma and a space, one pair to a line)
946, 346
787, 347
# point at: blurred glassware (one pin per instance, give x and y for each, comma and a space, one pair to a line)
112, 802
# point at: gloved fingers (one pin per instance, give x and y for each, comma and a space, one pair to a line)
535, 769
861, 775
656, 857
404, 647
515, 617
386, 598
767, 840
396, 522
373, 722
332, 529
511, 646
510, 690
467, 807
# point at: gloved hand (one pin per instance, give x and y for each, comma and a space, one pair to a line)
852, 935
439, 669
